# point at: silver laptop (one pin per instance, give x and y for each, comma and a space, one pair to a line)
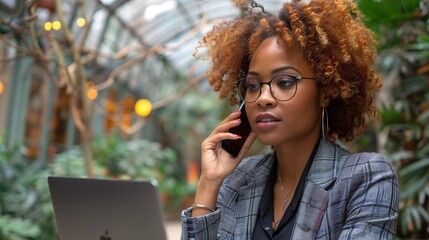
101, 209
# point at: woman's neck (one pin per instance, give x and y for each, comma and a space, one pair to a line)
292, 158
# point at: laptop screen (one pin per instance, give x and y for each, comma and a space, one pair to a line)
106, 209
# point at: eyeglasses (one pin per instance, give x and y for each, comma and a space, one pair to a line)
283, 87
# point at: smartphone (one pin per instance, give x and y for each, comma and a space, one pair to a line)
233, 147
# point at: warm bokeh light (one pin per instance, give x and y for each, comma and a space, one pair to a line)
193, 173
48, 26
56, 25
143, 107
1, 88
89, 84
92, 93
81, 22
128, 103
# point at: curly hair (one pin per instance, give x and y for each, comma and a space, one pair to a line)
332, 36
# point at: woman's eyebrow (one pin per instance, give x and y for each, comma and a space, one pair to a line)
284, 68
253, 73
275, 70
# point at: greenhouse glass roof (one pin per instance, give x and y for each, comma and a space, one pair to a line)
132, 28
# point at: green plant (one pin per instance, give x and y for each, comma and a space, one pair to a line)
137, 159
71, 163
25, 208
403, 30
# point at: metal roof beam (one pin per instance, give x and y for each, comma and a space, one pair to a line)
112, 11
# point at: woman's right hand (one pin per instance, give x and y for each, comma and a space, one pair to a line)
216, 163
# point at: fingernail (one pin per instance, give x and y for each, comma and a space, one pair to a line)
236, 111
238, 136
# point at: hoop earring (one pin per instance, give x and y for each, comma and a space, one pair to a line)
325, 118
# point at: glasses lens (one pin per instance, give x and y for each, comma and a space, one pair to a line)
249, 90
283, 87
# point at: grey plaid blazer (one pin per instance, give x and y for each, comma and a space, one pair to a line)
346, 196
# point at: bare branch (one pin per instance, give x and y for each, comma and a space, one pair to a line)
192, 83
75, 113
134, 128
154, 50
73, 75
59, 11
63, 71
124, 67
32, 19
86, 27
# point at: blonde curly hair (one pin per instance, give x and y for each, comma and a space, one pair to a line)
332, 36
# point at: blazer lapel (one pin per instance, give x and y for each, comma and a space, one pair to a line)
315, 197
247, 208
248, 198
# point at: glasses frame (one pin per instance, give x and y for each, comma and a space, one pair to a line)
296, 79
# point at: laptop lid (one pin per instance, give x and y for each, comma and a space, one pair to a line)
102, 209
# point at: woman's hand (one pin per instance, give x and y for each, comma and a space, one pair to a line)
217, 164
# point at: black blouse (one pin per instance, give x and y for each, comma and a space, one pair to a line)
263, 227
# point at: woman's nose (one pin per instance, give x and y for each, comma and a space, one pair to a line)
266, 98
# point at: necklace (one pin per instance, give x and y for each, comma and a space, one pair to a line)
285, 196
285, 201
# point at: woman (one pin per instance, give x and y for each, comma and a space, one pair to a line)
307, 79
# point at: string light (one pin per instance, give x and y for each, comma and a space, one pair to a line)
143, 107
48, 26
92, 93
81, 22
1, 88
56, 25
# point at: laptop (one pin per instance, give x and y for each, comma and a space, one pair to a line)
103, 209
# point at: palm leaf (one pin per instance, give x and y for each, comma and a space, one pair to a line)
388, 12
411, 169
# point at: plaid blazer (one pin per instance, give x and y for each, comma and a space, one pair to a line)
346, 196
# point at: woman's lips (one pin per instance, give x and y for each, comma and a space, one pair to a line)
266, 121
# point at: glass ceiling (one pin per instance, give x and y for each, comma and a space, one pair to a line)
179, 24
137, 27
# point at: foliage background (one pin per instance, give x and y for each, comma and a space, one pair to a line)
402, 28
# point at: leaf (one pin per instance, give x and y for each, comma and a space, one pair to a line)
17, 228
423, 38
423, 54
400, 155
422, 150
427, 130
391, 116
418, 46
416, 218
419, 165
414, 186
412, 85
405, 216
423, 117
423, 195
423, 212
387, 12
